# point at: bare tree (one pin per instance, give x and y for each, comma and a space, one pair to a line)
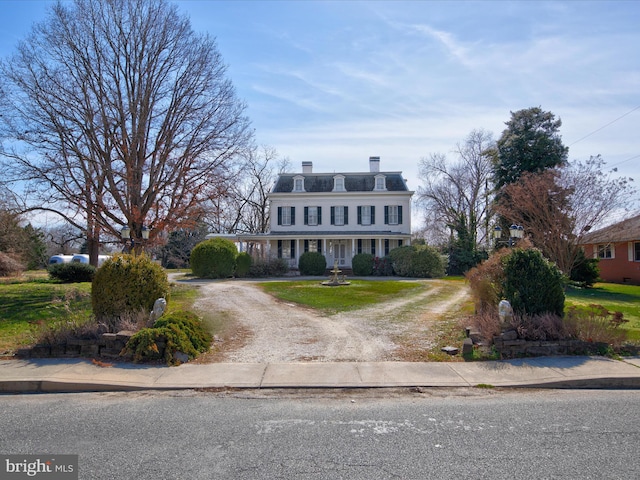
126, 117
460, 191
559, 206
245, 207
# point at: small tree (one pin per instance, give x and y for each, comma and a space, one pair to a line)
214, 258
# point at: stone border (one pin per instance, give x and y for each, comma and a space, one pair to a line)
108, 345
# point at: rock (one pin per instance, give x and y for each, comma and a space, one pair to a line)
467, 346
450, 350
181, 357
159, 306
509, 335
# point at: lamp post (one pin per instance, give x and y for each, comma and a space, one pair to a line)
516, 232
125, 233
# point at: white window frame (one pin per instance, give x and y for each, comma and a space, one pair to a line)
338, 183
312, 216
298, 184
380, 183
286, 216
365, 214
605, 251
338, 215
394, 218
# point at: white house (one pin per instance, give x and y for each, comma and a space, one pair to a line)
338, 214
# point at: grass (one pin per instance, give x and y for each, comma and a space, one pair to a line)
31, 302
615, 298
332, 300
27, 307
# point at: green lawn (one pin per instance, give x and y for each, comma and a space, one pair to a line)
331, 300
29, 304
26, 307
615, 298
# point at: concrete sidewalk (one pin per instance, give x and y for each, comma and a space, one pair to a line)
77, 375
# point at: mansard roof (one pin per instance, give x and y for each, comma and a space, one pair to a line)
353, 182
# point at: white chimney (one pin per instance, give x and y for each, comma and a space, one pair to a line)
307, 167
374, 164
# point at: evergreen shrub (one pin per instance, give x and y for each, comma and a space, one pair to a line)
585, 271
312, 263
175, 332
125, 285
243, 264
421, 261
532, 284
362, 264
214, 258
73, 272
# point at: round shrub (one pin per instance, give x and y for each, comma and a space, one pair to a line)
401, 260
127, 284
362, 264
312, 263
214, 258
532, 284
427, 262
243, 264
73, 272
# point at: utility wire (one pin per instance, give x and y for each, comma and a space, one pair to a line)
605, 126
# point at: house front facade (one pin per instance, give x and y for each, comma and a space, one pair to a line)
618, 249
337, 214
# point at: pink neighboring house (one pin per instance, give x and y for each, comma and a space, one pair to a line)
618, 248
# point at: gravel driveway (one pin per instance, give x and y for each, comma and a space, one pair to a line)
268, 330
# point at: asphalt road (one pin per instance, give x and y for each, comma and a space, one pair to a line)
332, 434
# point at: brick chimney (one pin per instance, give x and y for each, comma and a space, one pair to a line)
307, 167
374, 164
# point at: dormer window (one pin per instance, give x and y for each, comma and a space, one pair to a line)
338, 183
381, 183
298, 184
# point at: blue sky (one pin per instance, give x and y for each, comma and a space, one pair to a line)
334, 82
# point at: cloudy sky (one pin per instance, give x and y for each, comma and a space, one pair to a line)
334, 82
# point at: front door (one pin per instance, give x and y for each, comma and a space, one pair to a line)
340, 252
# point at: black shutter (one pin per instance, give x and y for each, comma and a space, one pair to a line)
279, 246
306, 215
359, 245
279, 215
359, 215
386, 246
319, 215
306, 245
399, 214
373, 247
386, 215
333, 215
293, 248
373, 215
346, 215
293, 215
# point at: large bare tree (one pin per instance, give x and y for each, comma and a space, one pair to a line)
121, 115
459, 192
